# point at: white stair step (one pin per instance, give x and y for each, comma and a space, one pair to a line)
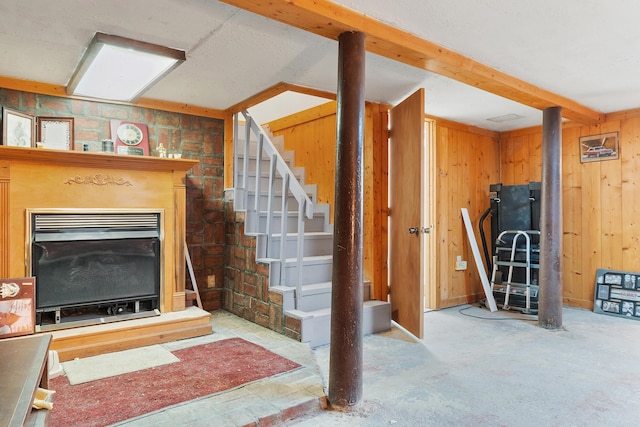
316, 296
316, 243
264, 181
314, 269
315, 224
263, 204
316, 325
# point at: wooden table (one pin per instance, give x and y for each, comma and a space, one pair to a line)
23, 367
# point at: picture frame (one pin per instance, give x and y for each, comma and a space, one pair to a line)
56, 132
604, 146
18, 129
17, 307
617, 293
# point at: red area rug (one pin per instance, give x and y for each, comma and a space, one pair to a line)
202, 370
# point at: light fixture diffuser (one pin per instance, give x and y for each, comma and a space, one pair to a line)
505, 118
121, 69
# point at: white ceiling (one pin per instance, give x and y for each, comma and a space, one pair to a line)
585, 50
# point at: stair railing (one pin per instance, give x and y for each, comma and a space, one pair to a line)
290, 185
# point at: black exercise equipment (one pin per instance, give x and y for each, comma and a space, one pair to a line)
515, 244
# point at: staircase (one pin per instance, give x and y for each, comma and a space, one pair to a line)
294, 236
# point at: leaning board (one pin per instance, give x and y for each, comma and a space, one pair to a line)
476, 256
617, 293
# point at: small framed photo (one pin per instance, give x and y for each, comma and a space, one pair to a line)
599, 147
18, 129
56, 132
17, 307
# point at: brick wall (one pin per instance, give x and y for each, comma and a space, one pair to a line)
246, 282
195, 137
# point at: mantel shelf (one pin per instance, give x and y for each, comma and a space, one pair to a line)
90, 159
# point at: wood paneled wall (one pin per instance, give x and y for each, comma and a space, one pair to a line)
601, 216
467, 162
312, 135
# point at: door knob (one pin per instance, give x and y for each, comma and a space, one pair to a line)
418, 230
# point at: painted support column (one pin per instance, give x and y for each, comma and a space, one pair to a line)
550, 293
345, 356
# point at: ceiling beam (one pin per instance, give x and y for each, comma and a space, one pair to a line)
328, 19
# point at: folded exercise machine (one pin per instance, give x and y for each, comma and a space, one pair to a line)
515, 244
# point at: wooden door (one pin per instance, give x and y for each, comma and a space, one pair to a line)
407, 240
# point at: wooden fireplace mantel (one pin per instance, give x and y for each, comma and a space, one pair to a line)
54, 180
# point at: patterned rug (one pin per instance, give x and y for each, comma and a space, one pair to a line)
202, 370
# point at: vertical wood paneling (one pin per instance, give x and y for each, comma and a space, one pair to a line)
630, 193
378, 232
228, 151
314, 144
454, 242
506, 163
535, 157
611, 191
467, 164
442, 219
520, 159
591, 220
572, 216
600, 217
368, 182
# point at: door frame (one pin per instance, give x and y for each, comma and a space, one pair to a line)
431, 290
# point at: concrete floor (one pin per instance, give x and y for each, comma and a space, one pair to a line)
474, 368
477, 368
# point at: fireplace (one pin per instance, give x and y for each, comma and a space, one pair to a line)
36, 181
95, 266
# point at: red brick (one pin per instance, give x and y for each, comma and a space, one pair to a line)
292, 323
275, 297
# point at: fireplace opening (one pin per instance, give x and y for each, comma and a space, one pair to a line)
95, 268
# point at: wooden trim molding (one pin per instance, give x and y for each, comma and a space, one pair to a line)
5, 184
228, 151
276, 90
60, 91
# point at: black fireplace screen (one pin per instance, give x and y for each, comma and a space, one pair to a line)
93, 262
82, 272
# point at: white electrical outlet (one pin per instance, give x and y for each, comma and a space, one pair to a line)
460, 264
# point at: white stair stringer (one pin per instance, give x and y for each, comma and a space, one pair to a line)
312, 308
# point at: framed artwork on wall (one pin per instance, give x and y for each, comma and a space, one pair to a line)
55, 132
17, 307
18, 129
599, 147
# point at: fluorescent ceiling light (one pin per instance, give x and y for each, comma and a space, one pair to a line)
121, 69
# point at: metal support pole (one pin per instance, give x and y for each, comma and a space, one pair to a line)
550, 294
345, 357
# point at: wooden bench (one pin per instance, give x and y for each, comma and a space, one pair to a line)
23, 368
